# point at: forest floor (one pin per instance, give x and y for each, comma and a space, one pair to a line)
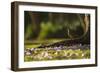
62, 52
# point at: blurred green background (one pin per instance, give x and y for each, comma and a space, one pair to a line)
48, 25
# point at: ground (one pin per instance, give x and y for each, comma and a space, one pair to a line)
77, 51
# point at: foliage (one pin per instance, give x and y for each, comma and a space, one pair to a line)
44, 25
